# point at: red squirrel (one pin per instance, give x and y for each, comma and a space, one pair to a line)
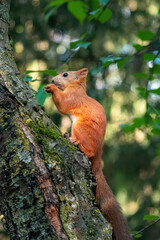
88, 130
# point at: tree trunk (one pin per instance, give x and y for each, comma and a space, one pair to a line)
46, 185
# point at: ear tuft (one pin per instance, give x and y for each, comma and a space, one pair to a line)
83, 72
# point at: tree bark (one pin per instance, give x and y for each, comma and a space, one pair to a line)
46, 185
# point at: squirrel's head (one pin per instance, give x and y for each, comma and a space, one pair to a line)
69, 78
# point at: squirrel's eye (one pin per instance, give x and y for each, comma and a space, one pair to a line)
65, 74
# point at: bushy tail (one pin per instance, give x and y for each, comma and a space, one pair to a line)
108, 203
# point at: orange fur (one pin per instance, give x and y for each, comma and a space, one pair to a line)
88, 130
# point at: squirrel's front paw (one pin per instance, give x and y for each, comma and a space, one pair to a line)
74, 141
49, 88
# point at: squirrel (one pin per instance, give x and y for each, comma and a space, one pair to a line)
88, 129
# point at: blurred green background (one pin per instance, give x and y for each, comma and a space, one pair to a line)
119, 42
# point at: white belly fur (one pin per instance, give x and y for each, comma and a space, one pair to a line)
73, 119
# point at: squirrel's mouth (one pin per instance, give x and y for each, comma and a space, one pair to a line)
57, 85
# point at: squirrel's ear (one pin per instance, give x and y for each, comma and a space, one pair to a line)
82, 72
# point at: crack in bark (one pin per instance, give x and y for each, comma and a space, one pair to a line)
51, 199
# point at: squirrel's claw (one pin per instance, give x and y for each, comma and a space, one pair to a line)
48, 88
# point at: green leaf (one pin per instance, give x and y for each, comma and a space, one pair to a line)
151, 77
151, 217
55, 3
94, 14
157, 121
149, 57
79, 43
49, 14
155, 91
138, 122
73, 45
138, 47
142, 92
103, 2
156, 131
94, 71
146, 35
83, 44
139, 235
94, 4
156, 126
84, 35
109, 58
128, 128
156, 69
150, 109
122, 62
78, 10
48, 72
158, 154
28, 79
41, 95
140, 75
105, 16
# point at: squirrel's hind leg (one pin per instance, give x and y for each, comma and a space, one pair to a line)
81, 134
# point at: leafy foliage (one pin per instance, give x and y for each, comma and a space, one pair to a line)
146, 35
48, 72
78, 10
41, 95
105, 16
151, 217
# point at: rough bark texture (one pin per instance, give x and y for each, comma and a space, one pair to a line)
46, 186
